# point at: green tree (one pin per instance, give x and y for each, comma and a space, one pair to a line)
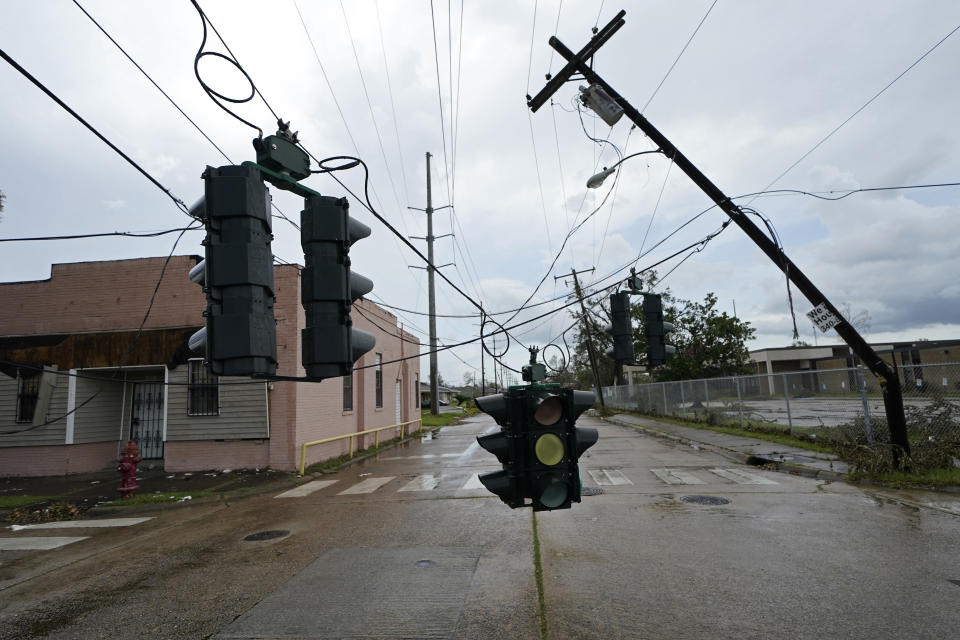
709, 343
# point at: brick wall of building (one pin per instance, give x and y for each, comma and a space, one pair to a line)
103, 296
113, 295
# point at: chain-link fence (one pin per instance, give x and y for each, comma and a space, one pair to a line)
808, 402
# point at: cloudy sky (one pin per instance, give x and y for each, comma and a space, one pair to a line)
758, 87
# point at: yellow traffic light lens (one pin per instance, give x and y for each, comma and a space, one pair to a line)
549, 449
549, 412
554, 494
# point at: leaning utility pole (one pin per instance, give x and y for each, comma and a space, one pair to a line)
889, 381
431, 291
586, 329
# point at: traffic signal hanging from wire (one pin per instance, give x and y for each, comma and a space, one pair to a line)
621, 329
656, 331
538, 445
328, 288
239, 335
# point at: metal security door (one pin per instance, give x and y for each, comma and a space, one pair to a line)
146, 418
397, 410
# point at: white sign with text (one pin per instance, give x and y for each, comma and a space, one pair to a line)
823, 318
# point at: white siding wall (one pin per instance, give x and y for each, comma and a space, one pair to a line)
99, 419
243, 411
50, 434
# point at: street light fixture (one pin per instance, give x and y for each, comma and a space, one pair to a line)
597, 179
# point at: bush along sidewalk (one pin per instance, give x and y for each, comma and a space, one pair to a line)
934, 434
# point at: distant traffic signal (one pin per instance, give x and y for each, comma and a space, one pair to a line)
328, 288
240, 336
621, 329
656, 331
539, 445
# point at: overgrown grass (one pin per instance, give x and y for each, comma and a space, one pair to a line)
933, 431
900, 479
770, 434
12, 502
159, 498
446, 419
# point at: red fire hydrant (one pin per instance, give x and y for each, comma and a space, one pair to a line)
128, 470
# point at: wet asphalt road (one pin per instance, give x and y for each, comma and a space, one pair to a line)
405, 546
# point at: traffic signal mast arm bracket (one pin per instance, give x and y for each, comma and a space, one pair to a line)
892, 392
282, 180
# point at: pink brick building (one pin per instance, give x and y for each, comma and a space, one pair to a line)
67, 405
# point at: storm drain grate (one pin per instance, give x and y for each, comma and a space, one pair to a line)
266, 535
591, 491
710, 500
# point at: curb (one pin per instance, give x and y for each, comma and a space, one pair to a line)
223, 497
748, 459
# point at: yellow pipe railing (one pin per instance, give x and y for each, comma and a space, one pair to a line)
376, 441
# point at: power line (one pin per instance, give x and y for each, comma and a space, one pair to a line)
366, 93
443, 132
689, 40
862, 107
147, 76
232, 60
346, 126
280, 213
127, 234
13, 63
393, 109
506, 330
130, 350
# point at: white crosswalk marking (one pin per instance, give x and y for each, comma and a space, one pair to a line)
82, 524
367, 486
676, 476
306, 489
742, 477
421, 483
37, 544
473, 483
608, 477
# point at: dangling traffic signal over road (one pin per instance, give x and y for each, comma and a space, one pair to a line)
240, 336
656, 330
621, 329
328, 288
538, 444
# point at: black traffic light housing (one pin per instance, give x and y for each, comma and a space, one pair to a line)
328, 288
621, 329
656, 331
539, 445
237, 273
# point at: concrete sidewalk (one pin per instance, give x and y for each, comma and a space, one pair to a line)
752, 451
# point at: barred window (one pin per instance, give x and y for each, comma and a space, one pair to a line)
379, 386
348, 392
417, 394
28, 388
203, 390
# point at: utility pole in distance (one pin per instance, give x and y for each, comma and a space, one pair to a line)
586, 328
431, 291
889, 380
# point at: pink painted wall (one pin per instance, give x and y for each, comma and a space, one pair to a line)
57, 460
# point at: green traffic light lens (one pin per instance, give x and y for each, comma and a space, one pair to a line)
549, 449
554, 494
